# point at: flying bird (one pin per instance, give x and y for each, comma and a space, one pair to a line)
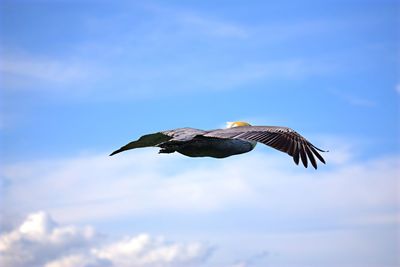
239, 137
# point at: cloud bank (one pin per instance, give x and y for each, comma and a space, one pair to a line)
142, 183
347, 210
40, 241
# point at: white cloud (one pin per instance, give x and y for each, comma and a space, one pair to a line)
78, 260
39, 238
397, 88
109, 186
260, 188
144, 250
39, 241
142, 182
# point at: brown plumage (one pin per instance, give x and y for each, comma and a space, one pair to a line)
282, 138
239, 138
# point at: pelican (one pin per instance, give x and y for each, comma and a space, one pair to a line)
239, 137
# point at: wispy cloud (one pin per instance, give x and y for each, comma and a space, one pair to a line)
252, 260
382, 218
158, 190
143, 182
189, 21
23, 70
354, 100
41, 73
40, 241
159, 62
343, 196
212, 26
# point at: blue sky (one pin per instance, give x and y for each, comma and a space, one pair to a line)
81, 78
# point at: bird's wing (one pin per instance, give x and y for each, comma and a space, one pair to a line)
281, 138
180, 134
184, 134
145, 141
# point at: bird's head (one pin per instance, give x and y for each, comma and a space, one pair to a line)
231, 124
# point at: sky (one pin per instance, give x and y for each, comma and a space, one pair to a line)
79, 79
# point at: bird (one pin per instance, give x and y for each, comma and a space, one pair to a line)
237, 138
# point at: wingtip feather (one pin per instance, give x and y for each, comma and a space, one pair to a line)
296, 155
317, 154
303, 157
310, 156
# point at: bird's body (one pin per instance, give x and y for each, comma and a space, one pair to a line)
200, 146
239, 138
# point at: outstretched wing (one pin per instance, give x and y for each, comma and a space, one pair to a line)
180, 135
281, 138
145, 141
